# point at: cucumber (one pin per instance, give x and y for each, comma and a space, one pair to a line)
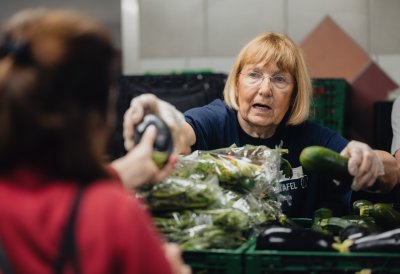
324, 160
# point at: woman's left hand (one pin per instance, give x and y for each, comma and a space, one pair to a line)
364, 164
137, 167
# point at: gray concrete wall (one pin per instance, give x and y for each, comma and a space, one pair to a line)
198, 34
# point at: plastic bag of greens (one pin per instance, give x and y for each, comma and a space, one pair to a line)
229, 219
179, 194
174, 222
253, 169
206, 237
261, 212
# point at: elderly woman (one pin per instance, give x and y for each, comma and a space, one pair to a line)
266, 102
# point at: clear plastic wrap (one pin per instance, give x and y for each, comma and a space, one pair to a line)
250, 168
178, 194
219, 198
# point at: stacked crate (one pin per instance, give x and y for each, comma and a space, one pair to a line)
329, 103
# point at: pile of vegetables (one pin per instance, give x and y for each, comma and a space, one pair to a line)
219, 198
371, 228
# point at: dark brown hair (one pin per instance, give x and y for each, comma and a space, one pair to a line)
56, 68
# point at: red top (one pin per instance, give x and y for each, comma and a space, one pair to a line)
113, 232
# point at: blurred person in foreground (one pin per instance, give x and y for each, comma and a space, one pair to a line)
266, 102
60, 208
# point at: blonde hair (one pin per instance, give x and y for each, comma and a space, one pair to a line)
280, 49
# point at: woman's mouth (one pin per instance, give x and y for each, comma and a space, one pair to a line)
261, 107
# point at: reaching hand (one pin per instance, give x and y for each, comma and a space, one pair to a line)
174, 257
364, 164
149, 103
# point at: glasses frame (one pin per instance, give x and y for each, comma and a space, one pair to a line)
286, 83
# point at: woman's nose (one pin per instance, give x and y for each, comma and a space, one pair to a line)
265, 87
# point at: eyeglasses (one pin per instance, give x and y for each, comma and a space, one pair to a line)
255, 78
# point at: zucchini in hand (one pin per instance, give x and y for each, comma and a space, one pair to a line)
328, 162
324, 160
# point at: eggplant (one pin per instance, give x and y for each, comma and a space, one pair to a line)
163, 145
353, 231
388, 241
293, 239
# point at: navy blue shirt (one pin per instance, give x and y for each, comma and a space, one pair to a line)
217, 126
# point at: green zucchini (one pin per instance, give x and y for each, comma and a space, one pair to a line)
324, 160
365, 221
329, 162
357, 205
322, 213
334, 224
386, 216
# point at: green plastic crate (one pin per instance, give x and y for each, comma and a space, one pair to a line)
328, 105
217, 261
274, 262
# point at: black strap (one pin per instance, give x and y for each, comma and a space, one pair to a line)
68, 250
5, 267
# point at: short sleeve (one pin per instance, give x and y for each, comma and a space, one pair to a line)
396, 126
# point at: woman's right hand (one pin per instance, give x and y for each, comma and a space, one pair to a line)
146, 104
364, 164
174, 257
